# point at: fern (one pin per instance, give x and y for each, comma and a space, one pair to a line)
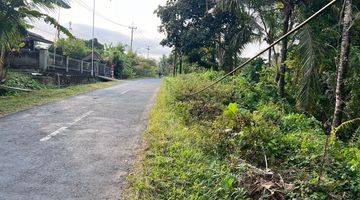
347, 130
355, 137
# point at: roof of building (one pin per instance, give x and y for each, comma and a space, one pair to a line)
36, 37
89, 57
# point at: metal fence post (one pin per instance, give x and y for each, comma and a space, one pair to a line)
67, 63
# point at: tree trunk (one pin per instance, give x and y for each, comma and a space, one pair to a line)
340, 83
228, 61
343, 65
270, 55
2, 65
284, 50
180, 64
213, 59
175, 60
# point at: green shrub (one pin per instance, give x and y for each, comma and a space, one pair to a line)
176, 164
25, 81
200, 137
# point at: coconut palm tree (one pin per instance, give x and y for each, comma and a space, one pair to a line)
343, 65
14, 17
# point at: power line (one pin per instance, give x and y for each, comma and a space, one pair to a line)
84, 5
132, 27
263, 51
92, 40
132, 36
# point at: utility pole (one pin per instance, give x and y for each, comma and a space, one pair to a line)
57, 36
132, 27
92, 42
70, 26
148, 51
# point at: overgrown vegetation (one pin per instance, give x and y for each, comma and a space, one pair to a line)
176, 164
221, 144
315, 76
21, 80
318, 62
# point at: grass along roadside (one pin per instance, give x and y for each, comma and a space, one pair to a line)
239, 141
21, 101
174, 164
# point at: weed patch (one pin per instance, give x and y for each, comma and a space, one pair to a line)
197, 146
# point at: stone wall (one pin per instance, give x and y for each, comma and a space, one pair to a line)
27, 60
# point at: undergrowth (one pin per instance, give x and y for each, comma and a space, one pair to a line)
20, 80
175, 164
198, 145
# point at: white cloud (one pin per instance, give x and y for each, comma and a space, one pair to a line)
126, 12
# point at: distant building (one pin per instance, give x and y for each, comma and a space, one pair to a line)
88, 58
32, 40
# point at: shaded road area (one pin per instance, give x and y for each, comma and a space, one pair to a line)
79, 148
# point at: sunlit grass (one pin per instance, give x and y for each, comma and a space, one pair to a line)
175, 164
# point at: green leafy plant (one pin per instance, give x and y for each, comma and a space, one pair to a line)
231, 111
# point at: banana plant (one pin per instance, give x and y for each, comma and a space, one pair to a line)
14, 17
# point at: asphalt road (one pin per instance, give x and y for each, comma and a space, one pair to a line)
79, 148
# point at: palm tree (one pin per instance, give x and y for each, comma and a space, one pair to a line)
14, 15
270, 29
343, 65
239, 31
288, 11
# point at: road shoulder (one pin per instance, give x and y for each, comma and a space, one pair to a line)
23, 101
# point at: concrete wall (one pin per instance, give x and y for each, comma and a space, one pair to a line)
24, 60
48, 63
65, 80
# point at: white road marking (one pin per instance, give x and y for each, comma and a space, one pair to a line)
48, 137
126, 91
82, 117
62, 129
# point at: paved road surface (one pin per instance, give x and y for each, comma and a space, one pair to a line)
78, 148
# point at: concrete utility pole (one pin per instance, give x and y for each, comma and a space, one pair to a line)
92, 42
132, 27
70, 26
57, 36
148, 51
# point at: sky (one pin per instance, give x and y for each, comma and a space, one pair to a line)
111, 13
139, 13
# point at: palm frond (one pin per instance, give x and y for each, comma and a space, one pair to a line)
50, 4
50, 20
309, 86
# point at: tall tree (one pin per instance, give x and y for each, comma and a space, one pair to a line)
287, 11
75, 48
194, 31
267, 16
115, 56
343, 65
